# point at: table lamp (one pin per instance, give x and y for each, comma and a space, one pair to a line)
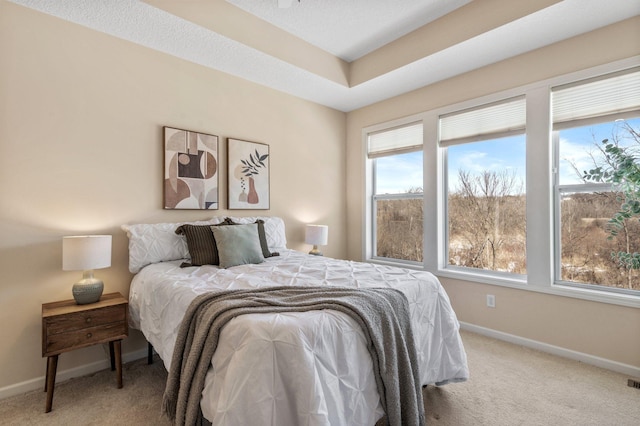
316, 235
86, 253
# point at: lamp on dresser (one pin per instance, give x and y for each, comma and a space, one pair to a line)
316, 235
86, 253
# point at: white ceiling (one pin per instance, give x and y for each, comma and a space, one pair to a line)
349, 29
343, 28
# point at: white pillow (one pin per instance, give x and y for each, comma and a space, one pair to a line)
158, 242
273, 229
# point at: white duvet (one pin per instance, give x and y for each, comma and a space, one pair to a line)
306, 368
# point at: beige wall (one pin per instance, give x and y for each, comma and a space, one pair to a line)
81, 116
598, 329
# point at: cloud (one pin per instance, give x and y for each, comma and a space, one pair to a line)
580, 155
473, 161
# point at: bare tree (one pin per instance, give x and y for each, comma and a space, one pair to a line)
487, 221
399, 228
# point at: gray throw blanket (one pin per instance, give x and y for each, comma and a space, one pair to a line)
382, 313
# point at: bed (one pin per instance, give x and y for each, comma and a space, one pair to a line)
299, 368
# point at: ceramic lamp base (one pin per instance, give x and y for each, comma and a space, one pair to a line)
315, 251
87, 290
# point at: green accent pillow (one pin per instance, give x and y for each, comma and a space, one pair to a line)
238, 245
261, 234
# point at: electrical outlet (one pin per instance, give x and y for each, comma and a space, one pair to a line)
491, 300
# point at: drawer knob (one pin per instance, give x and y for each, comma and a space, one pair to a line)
88, 320
89, 335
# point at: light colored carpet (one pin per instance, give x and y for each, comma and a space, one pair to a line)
510, 385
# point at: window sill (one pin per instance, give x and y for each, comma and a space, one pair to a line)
407, 264
518, 283
515, 281
593, 295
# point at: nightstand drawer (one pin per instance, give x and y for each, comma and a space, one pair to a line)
85, 319
87, 336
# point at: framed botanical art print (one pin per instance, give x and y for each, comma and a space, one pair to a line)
248, 175
191, 170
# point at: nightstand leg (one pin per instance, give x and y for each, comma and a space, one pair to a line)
118, 352
111, 357
46, 376
52, 366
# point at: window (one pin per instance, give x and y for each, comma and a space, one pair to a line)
485, 188
493, 190
585, 114
396, 156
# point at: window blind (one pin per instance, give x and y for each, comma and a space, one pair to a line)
596, 100
488, 121
397, 140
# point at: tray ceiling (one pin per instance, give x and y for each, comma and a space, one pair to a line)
425, 41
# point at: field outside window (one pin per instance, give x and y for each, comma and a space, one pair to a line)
486, 211
398, 204
584, 208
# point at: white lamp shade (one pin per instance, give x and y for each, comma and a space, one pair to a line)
317, 235
82, 253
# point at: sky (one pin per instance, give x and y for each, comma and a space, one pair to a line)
399, 173
578, 145
506, 154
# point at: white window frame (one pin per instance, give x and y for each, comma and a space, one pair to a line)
540, 191
444, 268
371, 198
558, 190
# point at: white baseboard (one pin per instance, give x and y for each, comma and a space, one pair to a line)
608, 364
61, 376
83, 370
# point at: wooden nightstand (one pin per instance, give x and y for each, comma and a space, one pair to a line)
67, 326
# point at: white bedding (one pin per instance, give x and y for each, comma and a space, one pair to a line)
307, 368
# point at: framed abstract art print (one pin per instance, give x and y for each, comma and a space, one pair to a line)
191, 170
